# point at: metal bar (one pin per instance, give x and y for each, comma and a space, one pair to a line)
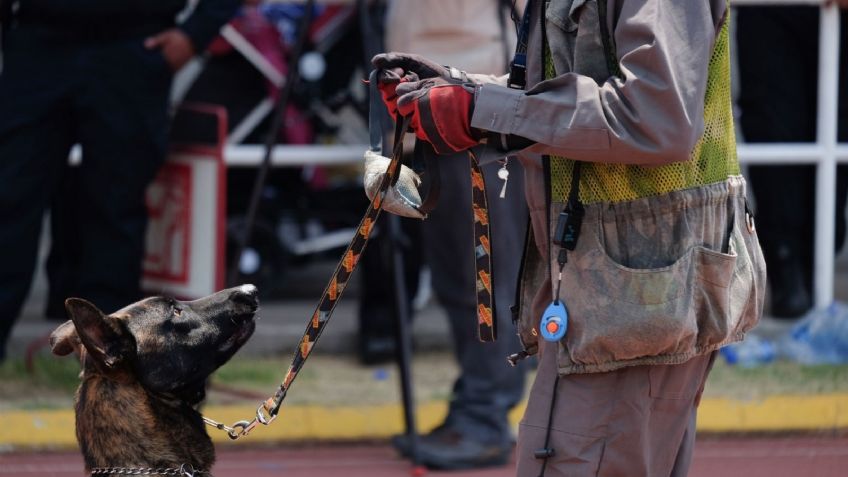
251, 121
251, 155
786, 153
828, 91
246, 155
252, 55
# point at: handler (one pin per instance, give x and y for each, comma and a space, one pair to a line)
642, 250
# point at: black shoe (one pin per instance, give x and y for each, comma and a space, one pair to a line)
447, 449
403, 446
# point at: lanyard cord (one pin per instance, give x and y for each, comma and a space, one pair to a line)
547, 452
518, 66
568, 226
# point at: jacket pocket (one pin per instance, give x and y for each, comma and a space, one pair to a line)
669, 306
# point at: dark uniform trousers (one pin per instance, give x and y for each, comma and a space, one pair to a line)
109, 94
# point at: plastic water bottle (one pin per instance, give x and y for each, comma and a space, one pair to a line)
820, 337
752, 352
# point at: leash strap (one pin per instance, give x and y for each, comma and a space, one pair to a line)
268, 410
486, 322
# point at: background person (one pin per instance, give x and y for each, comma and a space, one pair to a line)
475, 35
97, 73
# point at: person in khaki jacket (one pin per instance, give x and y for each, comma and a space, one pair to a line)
643, 251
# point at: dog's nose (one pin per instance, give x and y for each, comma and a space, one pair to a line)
246, 294
248, 289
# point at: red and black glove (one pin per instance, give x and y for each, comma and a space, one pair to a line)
440, 113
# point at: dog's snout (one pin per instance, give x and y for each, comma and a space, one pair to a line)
248, 289
246, 294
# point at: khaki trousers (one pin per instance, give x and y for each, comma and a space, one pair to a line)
631, 422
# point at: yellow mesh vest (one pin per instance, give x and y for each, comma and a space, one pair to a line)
713, 158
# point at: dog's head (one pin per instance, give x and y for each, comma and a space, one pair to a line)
170, 347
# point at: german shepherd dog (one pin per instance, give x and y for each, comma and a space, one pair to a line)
144, 372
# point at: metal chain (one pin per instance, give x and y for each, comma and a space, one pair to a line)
184, 470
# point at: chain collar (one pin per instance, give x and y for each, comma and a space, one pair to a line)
184, 470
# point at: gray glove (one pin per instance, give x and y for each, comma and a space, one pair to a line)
420, 66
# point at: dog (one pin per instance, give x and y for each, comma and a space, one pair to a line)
144, 372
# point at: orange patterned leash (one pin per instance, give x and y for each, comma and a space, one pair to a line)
267, 411
486, 322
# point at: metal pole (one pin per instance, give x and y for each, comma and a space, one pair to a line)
404, 335
828, 92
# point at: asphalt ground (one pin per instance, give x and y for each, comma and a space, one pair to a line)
799, 456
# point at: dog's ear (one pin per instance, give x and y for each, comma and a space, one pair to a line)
64, 339
100, 335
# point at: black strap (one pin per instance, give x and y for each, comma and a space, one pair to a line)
378, 116
547, 451
425, 163
518, 66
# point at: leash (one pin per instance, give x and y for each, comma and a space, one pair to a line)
268, 410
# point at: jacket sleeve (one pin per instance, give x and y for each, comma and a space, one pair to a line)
207, 19
651, 115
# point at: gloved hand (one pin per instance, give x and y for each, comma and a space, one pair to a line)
409, 63
440, 113
387, 82
395, 68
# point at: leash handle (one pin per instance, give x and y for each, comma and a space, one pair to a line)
268, 409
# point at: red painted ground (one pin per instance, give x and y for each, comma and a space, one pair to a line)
727, 457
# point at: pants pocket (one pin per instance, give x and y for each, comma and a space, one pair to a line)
574, 454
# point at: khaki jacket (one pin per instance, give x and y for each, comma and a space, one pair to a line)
641, 288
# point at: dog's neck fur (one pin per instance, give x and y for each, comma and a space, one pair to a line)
122, 424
